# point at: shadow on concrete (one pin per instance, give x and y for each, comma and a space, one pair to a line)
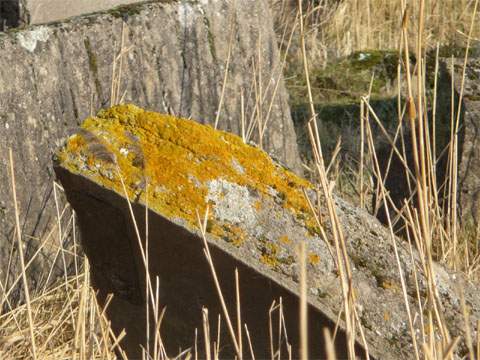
184, 278
9, 14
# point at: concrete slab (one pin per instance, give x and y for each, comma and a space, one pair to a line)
44, 11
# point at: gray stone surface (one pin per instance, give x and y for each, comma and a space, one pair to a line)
468, 195
261, 239
45, 11
53, 76
469, 169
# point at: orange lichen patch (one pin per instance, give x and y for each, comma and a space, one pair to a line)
313, 259
284, 239
270, 255
176, 158
312, 226
389, 284
231, 233
76, 142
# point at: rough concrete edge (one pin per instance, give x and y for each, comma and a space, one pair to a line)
114, 13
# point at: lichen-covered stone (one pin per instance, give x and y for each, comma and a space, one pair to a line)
259, 215
187, 165
53, 76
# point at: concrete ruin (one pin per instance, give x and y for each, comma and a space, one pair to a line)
174, 60
469, 169
468, 194
258, 216
16, 13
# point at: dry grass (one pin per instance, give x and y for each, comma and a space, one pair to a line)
67, 323
62, 322
339, 27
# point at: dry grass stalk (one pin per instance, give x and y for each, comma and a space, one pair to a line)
303, 302
21, 256
116, 97
234, 339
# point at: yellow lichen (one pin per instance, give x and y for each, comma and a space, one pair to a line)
270, 255
269, 260
175, 158
389, 284
257, 205
284, 239
233, 234
313, 259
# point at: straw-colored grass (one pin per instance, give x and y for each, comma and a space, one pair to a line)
339, 27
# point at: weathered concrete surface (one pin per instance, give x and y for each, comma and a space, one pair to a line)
45, 11
259, 215
53, 76
469, 169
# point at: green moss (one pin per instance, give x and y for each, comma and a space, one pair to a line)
345, 80
449, 50
176, 158
210, 38
93, 65
337, 90
124, 11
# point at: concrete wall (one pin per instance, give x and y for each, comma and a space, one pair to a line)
18, 12
43, 11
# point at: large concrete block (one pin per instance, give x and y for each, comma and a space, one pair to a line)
44, 11
258, 217
52, 77
15, 13
468, 137
469, 142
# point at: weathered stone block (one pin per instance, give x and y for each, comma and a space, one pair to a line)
469, 142
45, 11
468, 161
259, 215
52, 77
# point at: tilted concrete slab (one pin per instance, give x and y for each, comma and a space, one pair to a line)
52, 77
258, 216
